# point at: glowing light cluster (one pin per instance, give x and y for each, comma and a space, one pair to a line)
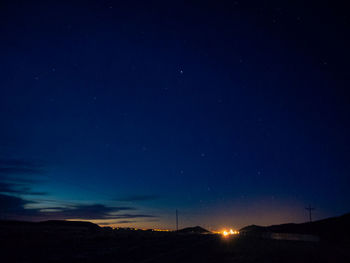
230, 232
161, 230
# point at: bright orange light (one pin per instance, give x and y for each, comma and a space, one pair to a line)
229, 233
225, 233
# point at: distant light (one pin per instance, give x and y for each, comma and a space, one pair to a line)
161, 230
229, 233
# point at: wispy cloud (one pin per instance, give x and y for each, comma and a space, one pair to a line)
93, 211
12, 207
18, 188
124, 216
126, 221
17, 176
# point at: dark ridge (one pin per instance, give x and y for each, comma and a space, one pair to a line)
333, 228
253, 228
194, 230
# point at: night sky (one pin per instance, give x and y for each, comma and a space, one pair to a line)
120, 112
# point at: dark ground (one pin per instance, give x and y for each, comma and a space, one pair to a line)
87, 243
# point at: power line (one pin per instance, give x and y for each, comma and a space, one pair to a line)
310, 209
177, 221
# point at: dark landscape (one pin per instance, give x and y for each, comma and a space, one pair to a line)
70, 241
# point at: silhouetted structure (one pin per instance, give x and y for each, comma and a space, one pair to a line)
310, 209
177, 221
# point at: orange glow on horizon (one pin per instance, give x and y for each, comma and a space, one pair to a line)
229, 233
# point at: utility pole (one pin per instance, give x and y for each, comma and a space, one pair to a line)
310, 209
177, 221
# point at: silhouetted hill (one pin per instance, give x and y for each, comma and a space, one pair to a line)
194, 230
63, 223
253, 228
334, 228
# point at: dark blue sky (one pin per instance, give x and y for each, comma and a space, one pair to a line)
122, 111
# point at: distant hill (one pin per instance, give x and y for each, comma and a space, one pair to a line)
194, 230
334, 228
